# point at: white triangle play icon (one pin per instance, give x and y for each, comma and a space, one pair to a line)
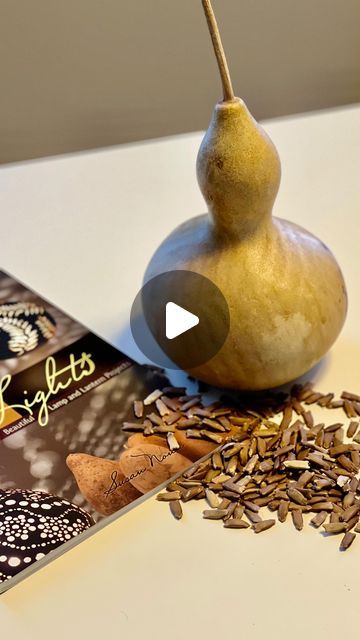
178, 320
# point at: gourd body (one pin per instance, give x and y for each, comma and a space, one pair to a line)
285, 291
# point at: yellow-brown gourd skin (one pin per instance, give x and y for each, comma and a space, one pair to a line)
285, 291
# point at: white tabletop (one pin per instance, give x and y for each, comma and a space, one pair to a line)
80, 229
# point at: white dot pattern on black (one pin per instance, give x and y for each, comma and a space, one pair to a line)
32, 524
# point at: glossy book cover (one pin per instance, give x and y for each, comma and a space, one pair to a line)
67, 462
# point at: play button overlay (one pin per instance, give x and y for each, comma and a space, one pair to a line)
179, 319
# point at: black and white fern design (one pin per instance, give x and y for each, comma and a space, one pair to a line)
23, 327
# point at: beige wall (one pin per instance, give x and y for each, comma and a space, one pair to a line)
77, 74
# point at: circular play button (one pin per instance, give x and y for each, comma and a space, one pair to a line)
179, 319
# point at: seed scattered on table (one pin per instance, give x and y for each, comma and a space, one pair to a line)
297, 496
347, 540
152, 397
169, 495
214, 514
236, 523
269, 453
172, 442
352, 429
259, 527
283, 510
176, 509
138, 409
335, 527
297, 518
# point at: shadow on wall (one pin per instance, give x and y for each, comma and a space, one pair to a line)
87, 74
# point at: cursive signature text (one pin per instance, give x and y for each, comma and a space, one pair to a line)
152, 458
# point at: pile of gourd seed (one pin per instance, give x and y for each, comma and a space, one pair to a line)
271, 455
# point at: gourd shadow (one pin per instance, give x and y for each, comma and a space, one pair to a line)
251, 398
313, 375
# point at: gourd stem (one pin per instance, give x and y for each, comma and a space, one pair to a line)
219, 50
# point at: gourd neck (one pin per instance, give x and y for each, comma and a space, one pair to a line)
238, 170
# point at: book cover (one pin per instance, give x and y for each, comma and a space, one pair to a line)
67, 464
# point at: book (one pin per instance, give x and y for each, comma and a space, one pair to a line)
66, 461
